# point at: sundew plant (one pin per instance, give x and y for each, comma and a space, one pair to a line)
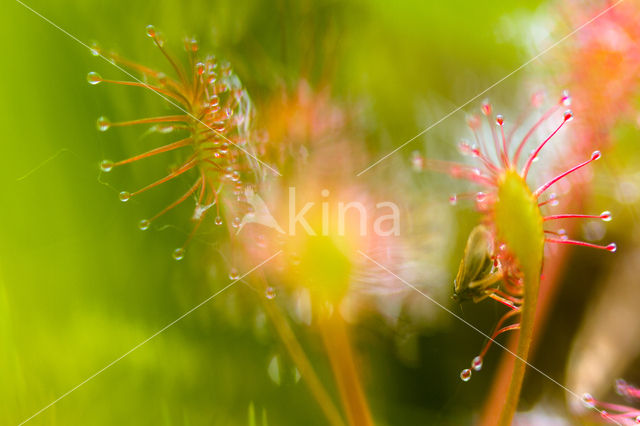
322, 213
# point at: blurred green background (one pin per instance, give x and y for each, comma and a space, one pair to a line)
80, 285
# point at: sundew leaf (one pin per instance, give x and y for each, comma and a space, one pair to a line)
518, 224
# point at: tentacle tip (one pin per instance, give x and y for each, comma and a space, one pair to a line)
106, 166
178, 254
124, 196
94, 78
568, 115
103, 124
95, 49
465, 375
151, 31
486, 107
588, 400
144, 224
476, 364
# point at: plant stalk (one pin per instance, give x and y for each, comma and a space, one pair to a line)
336, 341
299, 357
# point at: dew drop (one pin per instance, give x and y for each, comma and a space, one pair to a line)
178, 254
94, 78
162, 78
233, 274
235, 176
588, 400
605, 216
499, 120
218, 220
124, 196
596, 155
637, 419
476, 364
106, 166
417, 161
94, 49
151, 31
480, 197
103, 124
144, 224
236, 222
465, 148
473, 122
566, 98
486, 108
537, 98
193, 45
270, 293
568, 115
465, 375
604, 414
200, 68
612, 247
453, 199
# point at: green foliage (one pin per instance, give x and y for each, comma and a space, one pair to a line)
518, 223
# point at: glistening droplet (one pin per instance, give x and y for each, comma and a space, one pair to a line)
568, 115
94, 78
486, 108
236, 222
605, 216
465, 148
143, 225
233, 274
588, 400
178, 254
465, 375
270, 293
124, 196
95, 49
106, 166
103, 124
151, 31
476, 364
